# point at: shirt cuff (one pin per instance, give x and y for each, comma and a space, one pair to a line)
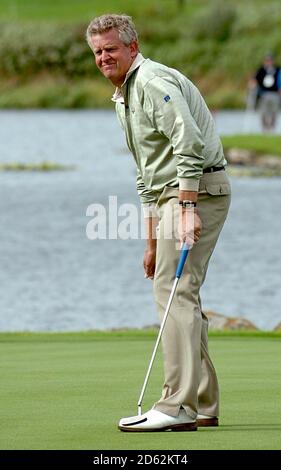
188, 184
150, 210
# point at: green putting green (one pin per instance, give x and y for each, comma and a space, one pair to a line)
68, 391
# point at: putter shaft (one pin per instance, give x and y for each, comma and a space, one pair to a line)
157, 344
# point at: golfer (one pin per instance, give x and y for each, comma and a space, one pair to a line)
185, 193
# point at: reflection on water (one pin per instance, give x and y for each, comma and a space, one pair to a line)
53, 278
240, 122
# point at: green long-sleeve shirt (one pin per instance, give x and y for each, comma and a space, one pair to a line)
169, 129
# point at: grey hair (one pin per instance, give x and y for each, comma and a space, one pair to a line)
123, 23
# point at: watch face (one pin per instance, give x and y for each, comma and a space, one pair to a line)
188, 204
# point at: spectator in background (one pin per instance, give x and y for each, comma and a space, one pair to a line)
265, 86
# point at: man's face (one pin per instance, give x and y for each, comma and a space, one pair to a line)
112, 56
268, 61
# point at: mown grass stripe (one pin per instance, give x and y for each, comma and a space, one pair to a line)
122, 335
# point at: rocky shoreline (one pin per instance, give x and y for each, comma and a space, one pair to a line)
221, 322
218, 322
244, 162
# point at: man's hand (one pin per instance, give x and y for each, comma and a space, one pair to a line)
190, 226
149, 262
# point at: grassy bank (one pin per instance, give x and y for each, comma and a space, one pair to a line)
58, 93
260, 144
68, 391
44, 166
70, 11
44, 60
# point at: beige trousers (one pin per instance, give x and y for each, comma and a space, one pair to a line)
190, 377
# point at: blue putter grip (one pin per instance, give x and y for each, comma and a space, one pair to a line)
184, 253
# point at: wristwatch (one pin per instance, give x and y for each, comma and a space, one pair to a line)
186, 204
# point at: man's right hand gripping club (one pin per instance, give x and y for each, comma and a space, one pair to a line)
189, 231
190, 225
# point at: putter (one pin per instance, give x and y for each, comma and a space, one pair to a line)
183, 256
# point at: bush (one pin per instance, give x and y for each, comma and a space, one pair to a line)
215, 23
30, 49
254, 21
191, 57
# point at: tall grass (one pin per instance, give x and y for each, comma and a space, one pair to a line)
217, 44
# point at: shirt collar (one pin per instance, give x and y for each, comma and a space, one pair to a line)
118, 95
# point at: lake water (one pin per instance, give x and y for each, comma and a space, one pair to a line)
53, 278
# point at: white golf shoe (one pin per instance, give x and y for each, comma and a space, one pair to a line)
154, 420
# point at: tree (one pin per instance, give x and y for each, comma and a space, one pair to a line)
181, 4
